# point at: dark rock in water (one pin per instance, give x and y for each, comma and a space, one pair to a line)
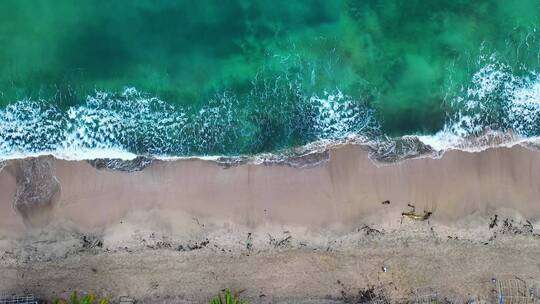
229, 162
292, 159
136, 164
397, 149
37, 191
308, 160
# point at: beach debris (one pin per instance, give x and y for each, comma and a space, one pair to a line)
510, 226
249, 242
19, 299
126, 300
371, 231
371, 294
493, 221
534, 289
89, 242
160, 245
527, 227
434, 235
416, 216
513, 290
197, 221
385, 202
424, 296
194, 246
156, 242
284, 242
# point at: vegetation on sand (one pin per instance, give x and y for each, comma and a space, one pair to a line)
87, 299
228, 298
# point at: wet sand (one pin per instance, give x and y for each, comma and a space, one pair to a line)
344, 190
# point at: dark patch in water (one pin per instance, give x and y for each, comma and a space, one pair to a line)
37, 191
136, 164
294, 160
307, 160
397, 149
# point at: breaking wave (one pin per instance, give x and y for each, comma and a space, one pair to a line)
131, 123
501, 106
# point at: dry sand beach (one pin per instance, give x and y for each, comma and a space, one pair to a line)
178, 231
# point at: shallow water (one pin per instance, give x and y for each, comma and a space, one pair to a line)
233, 77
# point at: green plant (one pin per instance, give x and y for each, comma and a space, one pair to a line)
228, 298
87, 299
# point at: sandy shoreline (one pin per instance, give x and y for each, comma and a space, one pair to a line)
286, 232
343, 190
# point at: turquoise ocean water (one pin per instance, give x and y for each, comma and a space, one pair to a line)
239, 77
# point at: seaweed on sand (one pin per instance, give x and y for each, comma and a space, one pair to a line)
372, 295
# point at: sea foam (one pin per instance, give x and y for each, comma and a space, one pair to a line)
500, 106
